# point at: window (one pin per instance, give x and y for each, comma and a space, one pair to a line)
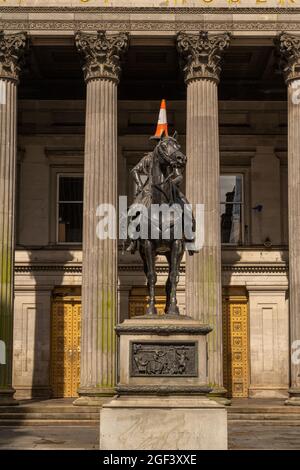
231, 209
69, 208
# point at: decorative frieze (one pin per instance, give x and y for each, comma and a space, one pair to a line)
163, 359
260, 23
101, 54
12, 48
202, 54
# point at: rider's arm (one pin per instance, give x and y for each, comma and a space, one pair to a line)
177, 178
137, 179
137, 171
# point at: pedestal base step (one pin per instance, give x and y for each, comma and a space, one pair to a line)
163, 423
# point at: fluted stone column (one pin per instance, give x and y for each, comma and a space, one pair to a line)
12, 48
201, 57
288, 47
101, 66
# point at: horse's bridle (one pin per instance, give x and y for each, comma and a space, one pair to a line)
168, 158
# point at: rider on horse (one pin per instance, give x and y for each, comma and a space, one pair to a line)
175, 163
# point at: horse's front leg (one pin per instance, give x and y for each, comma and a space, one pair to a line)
176, 257
151, 275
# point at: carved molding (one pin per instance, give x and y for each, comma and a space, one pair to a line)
202, 54
101, 54
164, 389
162, 330
21, 269
288, 50
255, 269
148, 25
234, 269
12, 49
148, 9
139, 268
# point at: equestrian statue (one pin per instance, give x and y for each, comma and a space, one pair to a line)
158, 176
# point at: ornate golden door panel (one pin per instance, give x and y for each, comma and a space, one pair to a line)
65, 342
138, 301
235, 342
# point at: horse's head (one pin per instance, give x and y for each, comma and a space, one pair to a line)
169, 153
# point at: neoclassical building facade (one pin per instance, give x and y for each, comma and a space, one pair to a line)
80, 87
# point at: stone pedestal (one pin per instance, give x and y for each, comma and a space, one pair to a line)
162, 355
163, 423
162, 387
101, 65
289, 51
12, 48
201, 55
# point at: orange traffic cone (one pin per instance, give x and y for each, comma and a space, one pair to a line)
162, 124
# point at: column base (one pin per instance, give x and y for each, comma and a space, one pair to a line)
7, 397
93, 396
218, 394
294, 399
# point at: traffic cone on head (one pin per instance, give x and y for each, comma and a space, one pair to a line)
162, 125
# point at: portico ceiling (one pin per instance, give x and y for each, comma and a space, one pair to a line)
152, 72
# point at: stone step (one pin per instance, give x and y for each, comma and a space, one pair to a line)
42, 414
48, 422
68, 414
266, 422
263, 416
49, 409
293, 410
55, 416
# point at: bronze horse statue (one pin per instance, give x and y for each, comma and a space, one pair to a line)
162, 171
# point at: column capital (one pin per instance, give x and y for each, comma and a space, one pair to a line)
202, 54
12, 49
101, 54
288, 49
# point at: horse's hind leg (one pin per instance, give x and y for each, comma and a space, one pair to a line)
168, 283
176, 257
151, 275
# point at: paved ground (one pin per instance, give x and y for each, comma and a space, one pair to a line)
49, 437
241, 436
255, 436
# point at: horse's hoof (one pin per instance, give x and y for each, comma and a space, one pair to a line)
151, 310
173, 310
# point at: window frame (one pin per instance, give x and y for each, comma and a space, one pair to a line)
58, 175
233, 171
